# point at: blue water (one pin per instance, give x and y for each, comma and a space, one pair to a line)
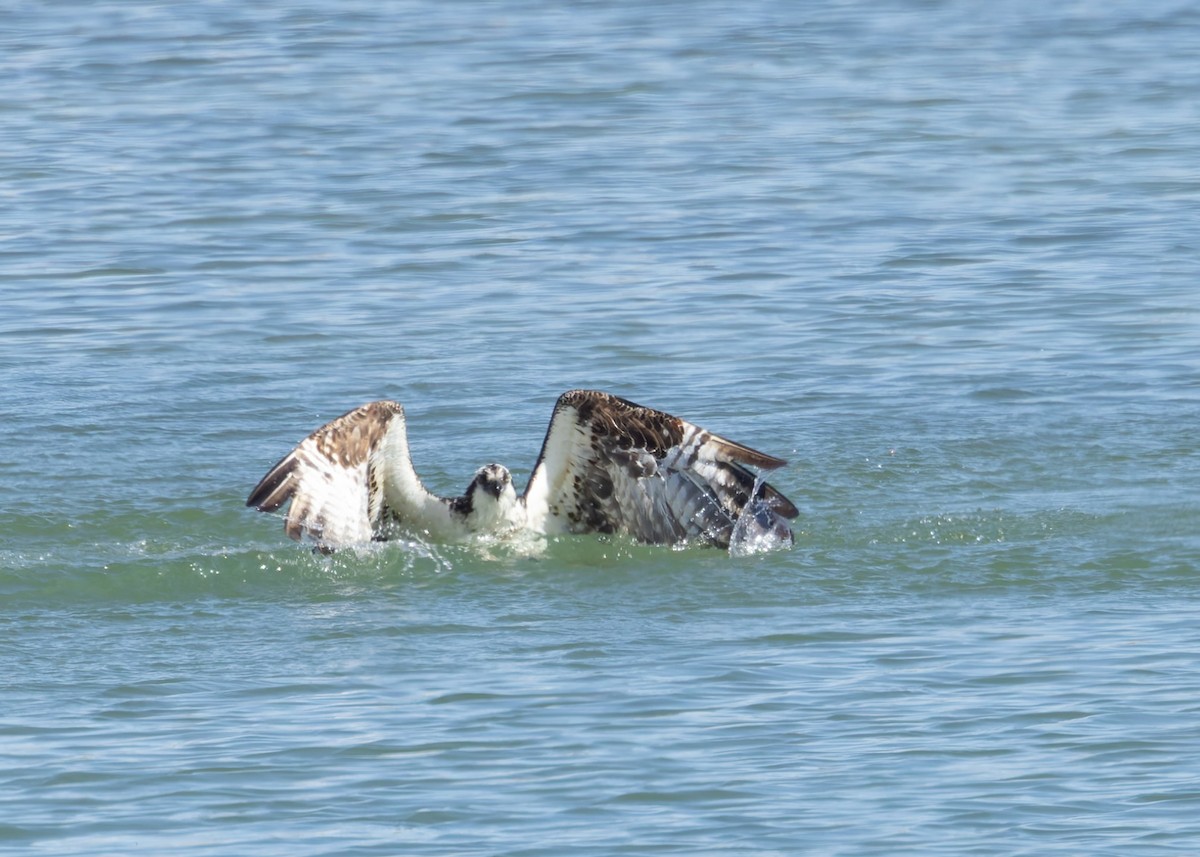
942, 256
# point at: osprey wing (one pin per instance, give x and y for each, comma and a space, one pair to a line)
611, 466
346, 479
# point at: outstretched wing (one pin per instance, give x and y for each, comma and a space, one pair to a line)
608, 465
346, 479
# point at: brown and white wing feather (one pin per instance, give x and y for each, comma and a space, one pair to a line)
611, 466
345, 480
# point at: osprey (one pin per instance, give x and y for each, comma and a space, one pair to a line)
607, 465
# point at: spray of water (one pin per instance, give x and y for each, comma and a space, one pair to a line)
759, 528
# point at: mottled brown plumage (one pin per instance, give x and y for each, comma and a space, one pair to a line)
649, 474
607, 465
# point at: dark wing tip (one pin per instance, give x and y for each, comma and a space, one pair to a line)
742, 454
761, 460
778, 503
274, 489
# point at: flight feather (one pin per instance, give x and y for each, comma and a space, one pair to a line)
607, 465
612, 466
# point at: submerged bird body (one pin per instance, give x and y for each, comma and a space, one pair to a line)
607, 465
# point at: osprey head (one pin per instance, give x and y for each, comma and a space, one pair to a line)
490, 500
492, 480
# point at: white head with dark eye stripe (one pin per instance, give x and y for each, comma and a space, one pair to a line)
490, 501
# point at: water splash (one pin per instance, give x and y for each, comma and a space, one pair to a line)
759, 529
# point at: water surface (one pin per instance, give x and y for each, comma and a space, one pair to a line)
941, 257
